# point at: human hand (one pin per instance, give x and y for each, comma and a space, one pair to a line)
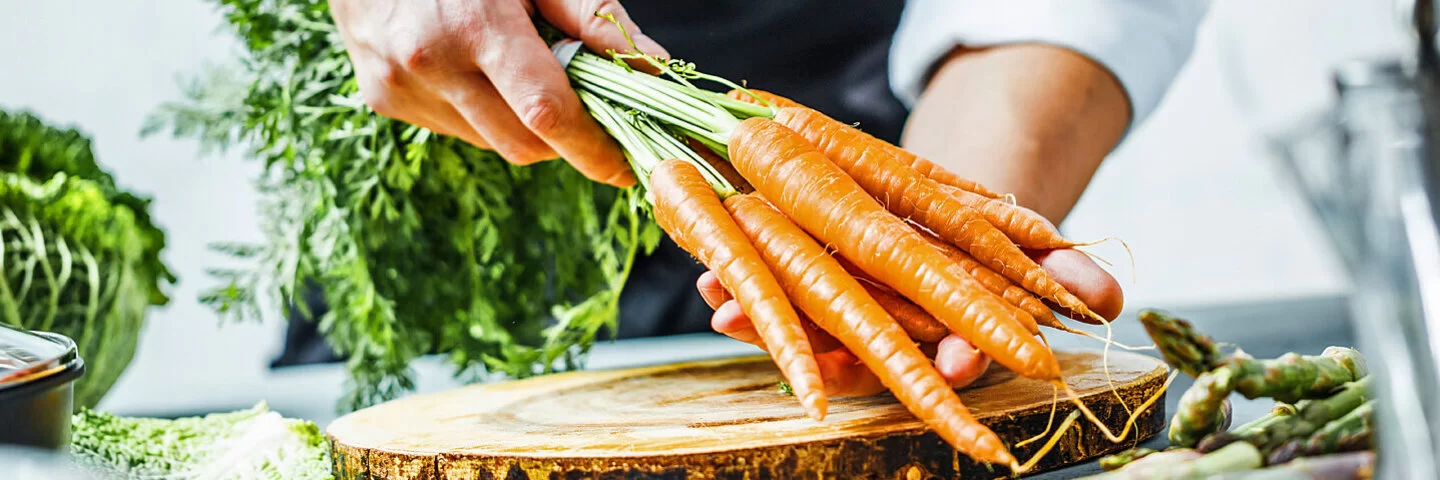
479, 71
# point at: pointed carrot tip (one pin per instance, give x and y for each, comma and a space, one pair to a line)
1005, 458
815, 405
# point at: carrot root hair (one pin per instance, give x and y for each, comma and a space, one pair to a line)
1134, 278
1049, 445
1054, 405
1130, 422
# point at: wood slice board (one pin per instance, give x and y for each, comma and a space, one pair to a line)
722, 419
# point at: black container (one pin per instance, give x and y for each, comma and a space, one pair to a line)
37, 386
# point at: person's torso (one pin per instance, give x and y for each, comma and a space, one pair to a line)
830, 55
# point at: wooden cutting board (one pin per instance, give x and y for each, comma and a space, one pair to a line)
723, 419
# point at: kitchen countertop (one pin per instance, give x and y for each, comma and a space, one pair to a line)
1264, 329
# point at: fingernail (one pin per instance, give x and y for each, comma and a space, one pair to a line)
649, 46
712, 297
622, 179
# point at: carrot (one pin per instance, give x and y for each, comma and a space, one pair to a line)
1024, 318
838, 303
909, 194
687, 208
720, 166
925, 167
916, 322
920, 324
822, 199
998, 284
1024, 227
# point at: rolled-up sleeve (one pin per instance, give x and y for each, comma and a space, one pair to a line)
1144, 43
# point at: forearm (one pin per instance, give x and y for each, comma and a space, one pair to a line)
1032, 120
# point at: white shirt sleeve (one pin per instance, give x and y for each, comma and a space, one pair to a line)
1142, 42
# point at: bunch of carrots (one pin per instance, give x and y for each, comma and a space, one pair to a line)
804, 218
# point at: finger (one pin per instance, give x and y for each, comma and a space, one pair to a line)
959, 362
477, 102
845, 375
1080, 275
533, 84
578, 19
730, 321
710, 289
446, 120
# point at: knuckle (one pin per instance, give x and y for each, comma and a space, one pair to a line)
490, 59
418, 58
541, 113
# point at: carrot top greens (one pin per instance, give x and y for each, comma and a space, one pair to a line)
418, 243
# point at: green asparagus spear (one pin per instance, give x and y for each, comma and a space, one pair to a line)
1314, 415
1289, 379
1115, 461
1341, 466
1186, 463
1224, 417
1183, 347
1222, 438
1348, 433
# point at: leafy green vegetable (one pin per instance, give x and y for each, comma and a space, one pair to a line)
420, 243
79, 257
253, 444
36, 149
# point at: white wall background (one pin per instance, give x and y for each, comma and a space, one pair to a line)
1206, 212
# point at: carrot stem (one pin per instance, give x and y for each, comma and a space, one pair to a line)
646, 143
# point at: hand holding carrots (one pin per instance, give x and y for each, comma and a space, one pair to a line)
480, 71
858, 266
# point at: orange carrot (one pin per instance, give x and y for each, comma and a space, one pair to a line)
1025, 318
825, 201
1024, 227
916, 322
839, 304
687, 208
920, 324
998, 284
720, 165
911, 195
925, 167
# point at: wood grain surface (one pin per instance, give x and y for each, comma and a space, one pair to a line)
722, 419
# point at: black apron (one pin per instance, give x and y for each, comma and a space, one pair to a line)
831, 55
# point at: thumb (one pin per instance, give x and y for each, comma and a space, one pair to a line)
579, 19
